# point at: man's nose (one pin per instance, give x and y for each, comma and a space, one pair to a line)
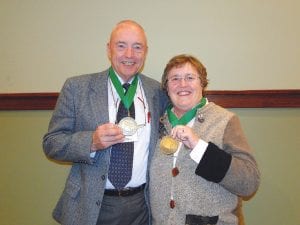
129, 52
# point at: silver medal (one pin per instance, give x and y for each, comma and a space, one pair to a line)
128, 126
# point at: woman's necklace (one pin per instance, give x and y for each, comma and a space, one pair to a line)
187, 118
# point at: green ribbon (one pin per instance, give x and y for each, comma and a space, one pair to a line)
128, 98
187, 117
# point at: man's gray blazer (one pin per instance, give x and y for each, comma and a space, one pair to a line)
82, 106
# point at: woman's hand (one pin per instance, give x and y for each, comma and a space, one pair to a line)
186, 135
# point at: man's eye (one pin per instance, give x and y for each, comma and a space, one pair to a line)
121, 46
137, 47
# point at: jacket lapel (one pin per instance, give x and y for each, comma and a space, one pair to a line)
153, 104
99, 98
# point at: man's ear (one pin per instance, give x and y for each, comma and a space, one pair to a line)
108, 52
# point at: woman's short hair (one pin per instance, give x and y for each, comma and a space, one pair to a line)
180, 60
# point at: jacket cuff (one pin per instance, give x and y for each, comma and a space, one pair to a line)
214, 164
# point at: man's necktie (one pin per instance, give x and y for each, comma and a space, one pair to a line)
121, 157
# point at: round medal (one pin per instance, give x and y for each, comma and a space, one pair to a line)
168, 145
128, 126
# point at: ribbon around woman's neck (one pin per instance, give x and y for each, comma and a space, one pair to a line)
187, 117
128, 98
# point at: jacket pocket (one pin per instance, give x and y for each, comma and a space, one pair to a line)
72, 189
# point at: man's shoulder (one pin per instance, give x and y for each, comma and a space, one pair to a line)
148, 81
85, 81
88, 76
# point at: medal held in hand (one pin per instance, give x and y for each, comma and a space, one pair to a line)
129, 126
168, 145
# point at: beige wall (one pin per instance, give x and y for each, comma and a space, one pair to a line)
244, 44
250, 44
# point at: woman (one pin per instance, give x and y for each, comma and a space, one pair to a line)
203, 164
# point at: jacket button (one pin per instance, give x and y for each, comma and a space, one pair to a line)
98, 203
103, 177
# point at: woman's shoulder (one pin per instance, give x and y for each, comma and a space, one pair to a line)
217, 111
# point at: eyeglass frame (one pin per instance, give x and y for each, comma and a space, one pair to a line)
176, 79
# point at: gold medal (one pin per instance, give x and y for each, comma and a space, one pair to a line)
168, 145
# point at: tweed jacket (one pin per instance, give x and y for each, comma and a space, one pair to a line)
82, 106
212, 188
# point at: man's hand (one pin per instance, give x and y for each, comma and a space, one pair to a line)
106, 135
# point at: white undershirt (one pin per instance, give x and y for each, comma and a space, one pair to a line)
141, 145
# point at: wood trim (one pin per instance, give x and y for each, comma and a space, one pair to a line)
256, 98
228, 99
28, 101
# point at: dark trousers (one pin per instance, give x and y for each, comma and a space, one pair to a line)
129, 210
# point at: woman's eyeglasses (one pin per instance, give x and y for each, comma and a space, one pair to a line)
189, 78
